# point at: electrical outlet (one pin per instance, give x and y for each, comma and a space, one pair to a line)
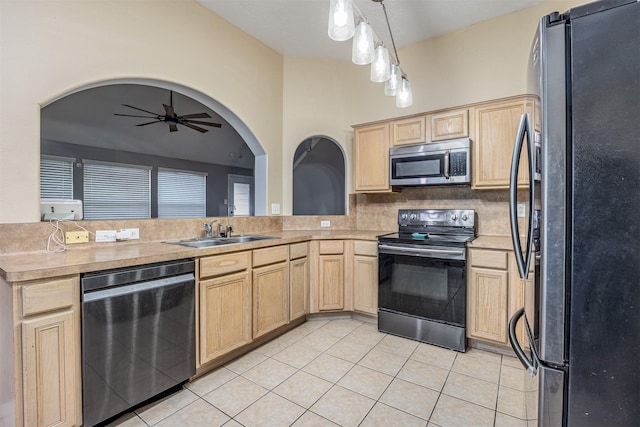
325, 223
105, 236
128, 234
275, 208
71, 237
521, 210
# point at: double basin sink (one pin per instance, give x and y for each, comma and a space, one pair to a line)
207, 242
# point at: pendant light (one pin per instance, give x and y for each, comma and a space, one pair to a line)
362, 50
404, 98
380, 67
341, 25
392, 86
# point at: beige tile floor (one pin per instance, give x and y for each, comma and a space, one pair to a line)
344, 372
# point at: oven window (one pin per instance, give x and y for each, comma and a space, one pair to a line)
418, 167
423, 287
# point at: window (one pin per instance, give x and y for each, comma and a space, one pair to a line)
56, 177
240, 195
113, 190
181, 194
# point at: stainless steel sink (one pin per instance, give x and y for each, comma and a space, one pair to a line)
207, 242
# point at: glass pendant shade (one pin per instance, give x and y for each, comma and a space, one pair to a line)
380, 67
341, 25
392, 86
404, 98
362, 51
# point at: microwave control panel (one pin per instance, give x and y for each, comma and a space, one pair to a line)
458, 164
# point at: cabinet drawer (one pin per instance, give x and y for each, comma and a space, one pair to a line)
270, 255
490, 259
365, 248
331, 247
223, 264
49, 295
298, 250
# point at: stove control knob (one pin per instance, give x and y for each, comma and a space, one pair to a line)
465, 217
454, 217
413, 217
403, 216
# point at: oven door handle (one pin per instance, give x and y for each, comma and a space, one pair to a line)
418, 251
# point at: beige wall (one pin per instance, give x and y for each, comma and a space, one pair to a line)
483, 61
49, 48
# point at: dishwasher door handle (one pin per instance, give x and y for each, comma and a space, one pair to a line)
137, 287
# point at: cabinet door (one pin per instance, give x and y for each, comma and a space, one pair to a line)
225, 315
487, 301
409, 131
270, 298
50, 356
371, 159
450, 125
365, 284
331, 282
299, 280
496, 126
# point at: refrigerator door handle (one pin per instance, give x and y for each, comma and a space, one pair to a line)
524, 130
531, 364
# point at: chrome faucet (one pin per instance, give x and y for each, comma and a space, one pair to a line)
208, 227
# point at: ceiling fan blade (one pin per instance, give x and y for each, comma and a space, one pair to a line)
199, 129
149, 123
168, 109
199, 122
131, 115
136, 108
173, 128
196, 116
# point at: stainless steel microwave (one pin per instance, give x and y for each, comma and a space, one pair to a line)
441, 163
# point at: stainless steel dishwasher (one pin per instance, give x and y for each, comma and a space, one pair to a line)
138, 335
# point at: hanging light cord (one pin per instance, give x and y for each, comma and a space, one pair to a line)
384, 9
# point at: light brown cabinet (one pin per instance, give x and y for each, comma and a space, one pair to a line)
298, 280
371, 158
270, 289
49, 318
365, 277
496, 125
412, 130
449, 125
224, 304
327, 276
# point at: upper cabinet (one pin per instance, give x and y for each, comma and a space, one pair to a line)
412, 130
496, 125
492, 127
371, 158
450, 125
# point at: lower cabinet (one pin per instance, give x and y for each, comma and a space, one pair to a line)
270, 289
50, 328
224, 304
365, 277
495, 293
225, 315
298, 280
328, 276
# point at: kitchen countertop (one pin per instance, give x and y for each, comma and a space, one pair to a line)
39, 265
492, 242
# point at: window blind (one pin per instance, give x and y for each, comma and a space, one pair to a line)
181, 194
113, 190
241, 199
56, 177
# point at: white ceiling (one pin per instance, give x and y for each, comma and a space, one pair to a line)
299, 27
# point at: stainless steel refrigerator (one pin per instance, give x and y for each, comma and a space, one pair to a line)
582, 317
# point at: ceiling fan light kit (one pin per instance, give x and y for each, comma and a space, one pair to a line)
341, 28
172, 119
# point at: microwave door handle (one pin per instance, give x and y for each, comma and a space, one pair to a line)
522, 261
446, 164
529, 363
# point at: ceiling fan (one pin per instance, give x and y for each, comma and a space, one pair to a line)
170, 117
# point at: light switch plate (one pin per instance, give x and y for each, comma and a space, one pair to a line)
105, 236
521, 210
325, 223
275, 208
